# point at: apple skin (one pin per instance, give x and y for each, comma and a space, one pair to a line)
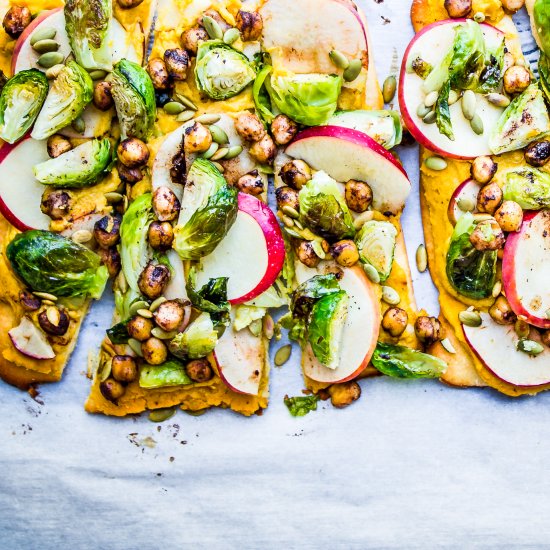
33, 338
349, 4
456, 195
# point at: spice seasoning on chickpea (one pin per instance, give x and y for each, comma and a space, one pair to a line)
295, 174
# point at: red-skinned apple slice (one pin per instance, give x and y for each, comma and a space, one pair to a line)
29, 340
346, 154
495, 346
20, 192
251, 254
431, 44
467, 190
526, 269
361, 327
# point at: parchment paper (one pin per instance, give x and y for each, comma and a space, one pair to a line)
410, 465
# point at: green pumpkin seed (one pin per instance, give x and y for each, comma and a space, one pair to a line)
135, 346
233, 152
185, 116
298, 224
390, 295
291, 212
446, 343
421, 258
45, 296
160, 415
53, 72
144, 313
431, 99
482, 217
268, 327
521, 328
53, 315
339, 59
477, 125
82, 236
113, 198
479, 17
453, 97
430, 118
104, 370
198, 412
292, 233
210, 151
98, 74
530, 347
186, 101
121, 283
465, 204
212, 27
435, 163
49, 59
422, 110
218, 135
208, 118
78, 125
45, 33
173, 108
231, 35
219, 166
496, 289
162, 334
353, 70
318, 249
220, 153
282, 355
371, 273
46, 45
498, 99
289, 222
388, 88
156, 303
48, 303
140, 304
469, 104
470, 318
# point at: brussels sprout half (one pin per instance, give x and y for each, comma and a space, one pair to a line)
198, 339
20, 102
376, 244
171, 373
529, 187
541, 15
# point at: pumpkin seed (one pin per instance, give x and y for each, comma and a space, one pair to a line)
78, 125
142, 312
289, 222
371, 273
390, 295
282, 355
470, 318
49, 59
388, 88
231, 35
162, 334
125, 203
496, 289
156, 303
289, 211
339, 59
198, 412
431, 99
219, 166
53, 72
233, 152
298, 224
135, 346
53, 315
436, 163
453, 97
45, 296
104, 370
207, 118
173, 108
48, 303
529, 346
268, 326
363, 218
422, 110
479, 17
477, 125
446, 343
220, 153
113, 198
318, 249
498, 99
140, 304
185, 116
46, 45
465, 204
292, 233
212, 27
98, 74
468, 104
45, 33
353, 70
430, 118
210, 151
482, 217
521, 328
161, 415
218, 135
186, 101
82, 236
421, 258
121, 282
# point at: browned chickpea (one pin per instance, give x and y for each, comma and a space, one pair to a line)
250, 24
264, 151
57, 145
160, 235
165, 204
140, 328
395, 321
112, 390
501, 312
509, 216
55, 204
489, 198
153, 280
177, 63
199, 370
483, 169
306, 254
128, 175
156, 68
283, 129
170, 315
154, 351
286, 196
103, 96
249, 126
191, 38
345, 252
132, 152
342, 395
28, 301
545, 337
17, 18
458, 8
197, 138
487, 235
516, 79
124, 368
251, 183
295, 173
358, 195
428, 329
110, 258
512, 6
54, 321
128, 4
107, 231
538, 153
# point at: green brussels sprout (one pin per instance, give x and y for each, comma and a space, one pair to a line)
20, 102
471, 272
80, 167
541, 16
544, 74
88, 25
324, 210
48, 262
301, 405
376, 245
326, 327
261, 96
198, 339
171, 373
134, 98
403, 362
69, 94
208, 210
312, 290
529, 187
221, 71
211, 298
245, 315
524, 120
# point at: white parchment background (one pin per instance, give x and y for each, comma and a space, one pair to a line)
410, 465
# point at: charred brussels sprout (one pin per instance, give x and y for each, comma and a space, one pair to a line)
20, 102
376, 244
211, 298
403, 362
198, 339
529, 187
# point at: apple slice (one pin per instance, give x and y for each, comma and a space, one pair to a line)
431, 44
346, 154
361, 327
251, 254
467, 190
20, 191
526, 269
495, 346
176, 287
29, 340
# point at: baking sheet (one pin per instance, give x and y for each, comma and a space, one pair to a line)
412, 464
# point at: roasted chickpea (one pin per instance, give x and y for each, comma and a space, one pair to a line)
306, 254
487, 235
110, 258
178, 170
286, 196
170, 315
538, 153
124, 368
132, 152
107, 231
54, 321
489, 198
250, 24
154, 351
165, 204
358, 195
395, 321
191, 38
283, 129
428, 329
55, 204
156, 68
140, 328
112, 390
57, 145
197, 138
545, 337
509, 216
128, 4
251, 183
249, 126
483, 169
342, 395
516, 79
17, 18
501, 312
128, 175
177, 63
264, 151
295, 174
28, 301
345, 252
512, 6
103, 96
160, 235
458, 8
153, 280
199, 370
